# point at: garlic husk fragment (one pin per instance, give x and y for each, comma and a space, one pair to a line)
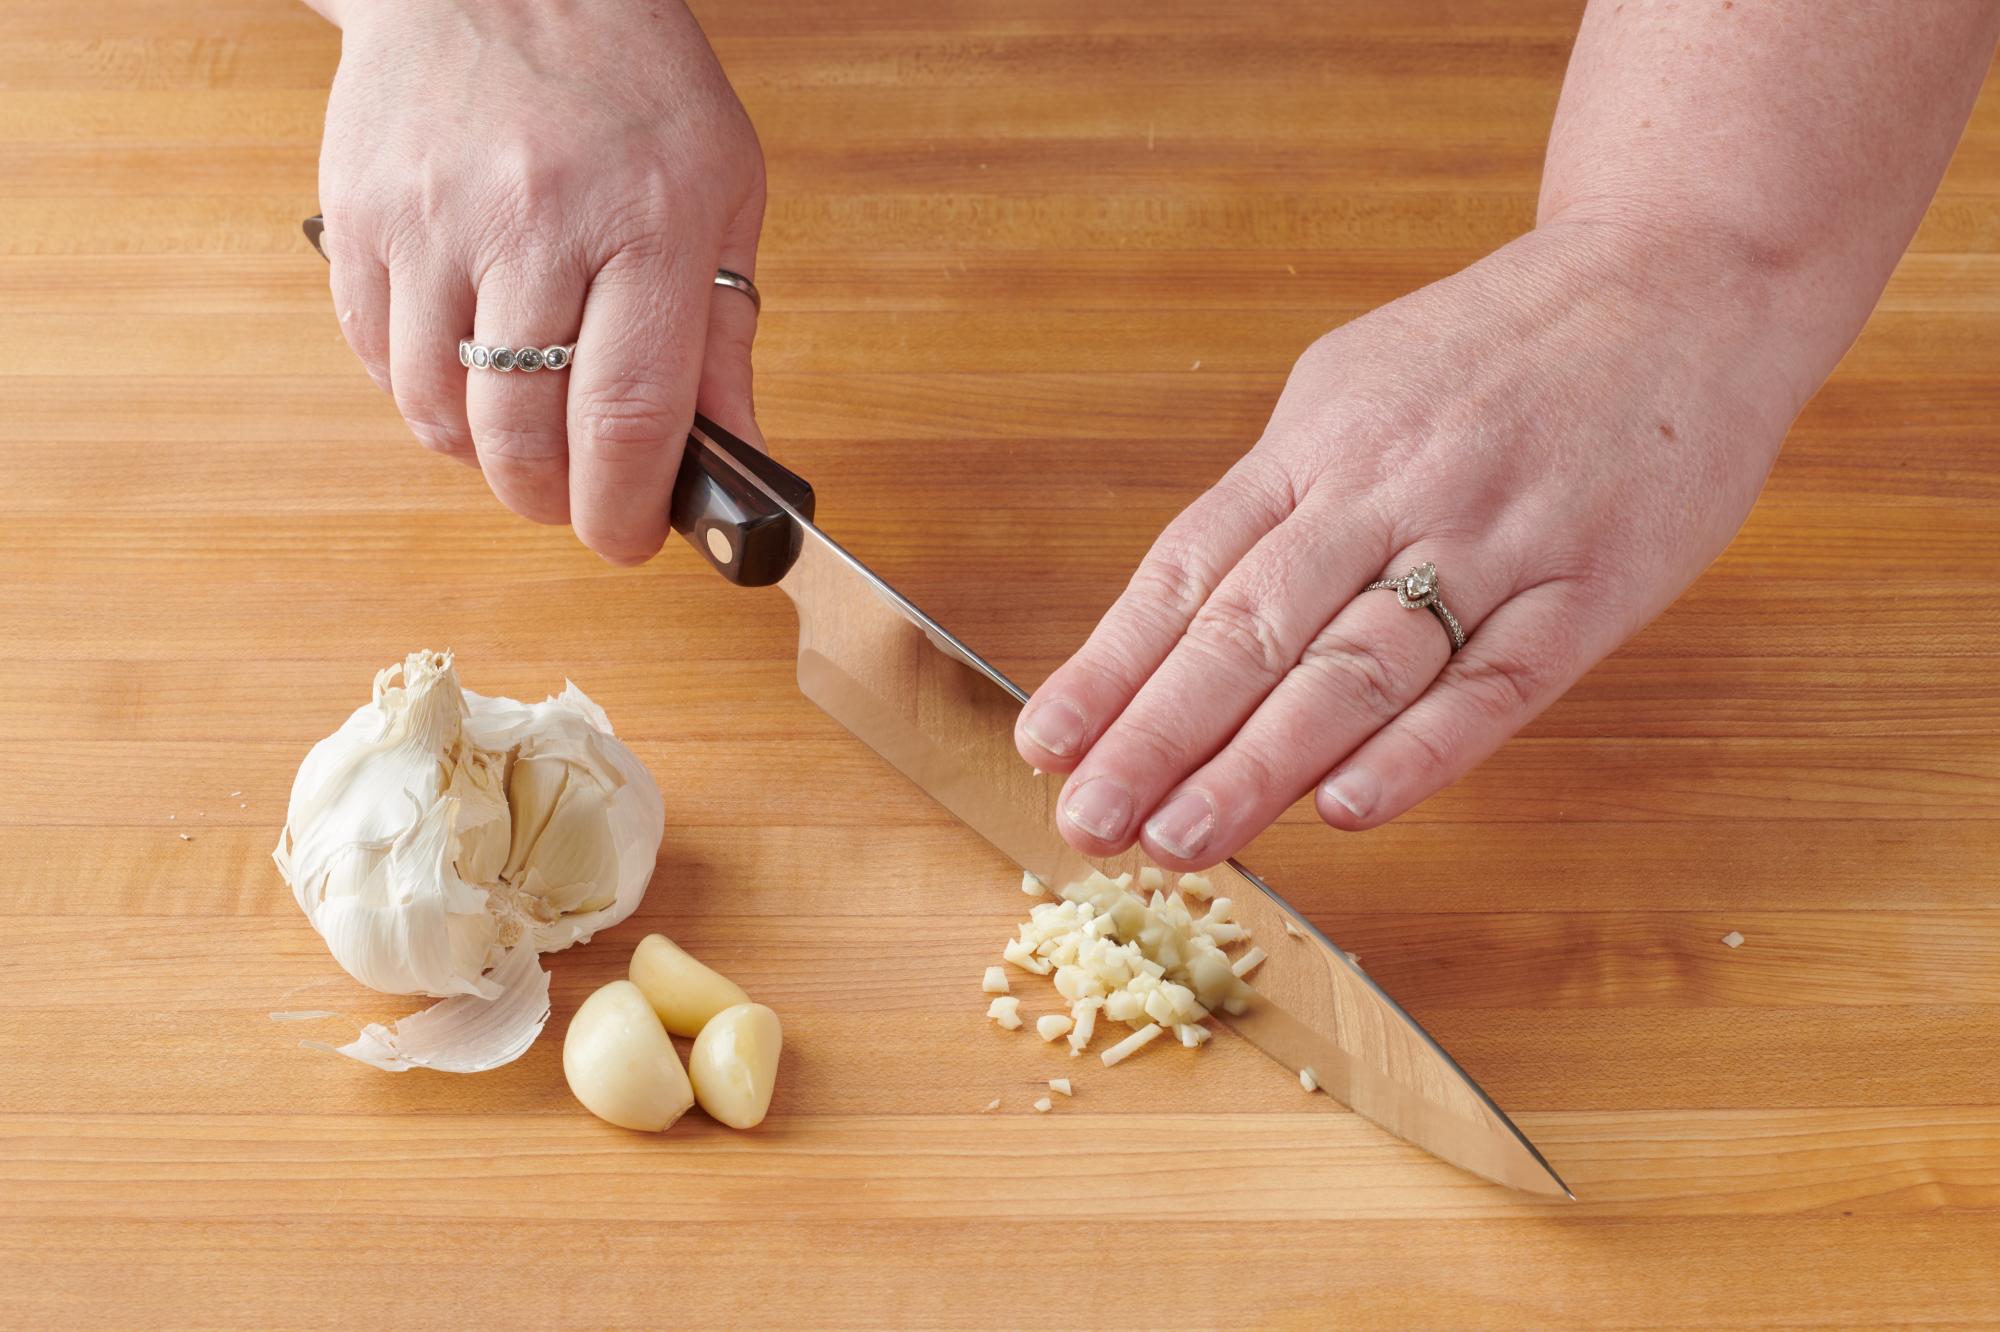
439, 834
465, 1034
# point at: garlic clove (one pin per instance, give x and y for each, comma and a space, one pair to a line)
685, 993
478, 782
620, 1064
734, 1064
562, 853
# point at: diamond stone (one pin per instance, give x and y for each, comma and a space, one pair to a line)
465, 353
502, 358
479, 358
555, 358
528, 358
1421, 581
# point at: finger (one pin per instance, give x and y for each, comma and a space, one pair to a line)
1372, 660
430, 309
1520, 661
519, 418
1078, 703
632, 395
360, 285
1243, 641
725, 396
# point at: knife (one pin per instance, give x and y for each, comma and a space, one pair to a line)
909, 689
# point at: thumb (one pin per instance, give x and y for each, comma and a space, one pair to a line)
726, 396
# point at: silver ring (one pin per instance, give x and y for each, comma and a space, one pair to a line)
474, 356
1418, 590
725, 278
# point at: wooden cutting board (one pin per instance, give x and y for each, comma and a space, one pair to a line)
1035, 274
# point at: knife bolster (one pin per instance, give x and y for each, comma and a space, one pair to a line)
732, 521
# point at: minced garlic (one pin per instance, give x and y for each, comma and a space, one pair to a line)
1118, 1053
1128, 949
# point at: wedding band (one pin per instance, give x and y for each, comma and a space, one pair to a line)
474, 356
1418, 590
725, 278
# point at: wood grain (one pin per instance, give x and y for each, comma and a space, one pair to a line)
1035, 240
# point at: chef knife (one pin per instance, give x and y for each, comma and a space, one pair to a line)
918, 696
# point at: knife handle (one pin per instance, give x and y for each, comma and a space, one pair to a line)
730, 522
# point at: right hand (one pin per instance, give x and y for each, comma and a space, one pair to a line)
527, 176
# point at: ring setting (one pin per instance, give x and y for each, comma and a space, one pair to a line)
474, 356
1418, 589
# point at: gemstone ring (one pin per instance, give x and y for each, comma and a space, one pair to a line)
1418, 590
526, 359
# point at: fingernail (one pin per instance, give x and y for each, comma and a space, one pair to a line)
1056, 725
1183, 824
1357, 790
1101, 807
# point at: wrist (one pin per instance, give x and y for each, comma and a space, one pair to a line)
1703, 294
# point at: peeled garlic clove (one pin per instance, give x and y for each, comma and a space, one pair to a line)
685, 993
621, 1065
734, 1064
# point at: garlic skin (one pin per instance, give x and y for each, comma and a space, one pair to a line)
438, 831
619, 1062
734, 1064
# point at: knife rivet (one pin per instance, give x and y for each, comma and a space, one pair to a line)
718, 545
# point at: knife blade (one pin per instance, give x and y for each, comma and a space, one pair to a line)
909, 689
905, 686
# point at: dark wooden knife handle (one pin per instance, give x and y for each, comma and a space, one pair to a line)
730, 522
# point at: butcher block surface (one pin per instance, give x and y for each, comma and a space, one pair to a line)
1034, 273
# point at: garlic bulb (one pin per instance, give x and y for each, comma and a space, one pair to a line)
438, 836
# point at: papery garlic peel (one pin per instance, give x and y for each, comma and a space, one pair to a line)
439, 833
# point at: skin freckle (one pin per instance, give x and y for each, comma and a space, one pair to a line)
1667, 430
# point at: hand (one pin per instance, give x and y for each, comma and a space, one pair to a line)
1567, 432
529, 176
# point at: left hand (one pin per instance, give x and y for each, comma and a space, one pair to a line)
1570, 429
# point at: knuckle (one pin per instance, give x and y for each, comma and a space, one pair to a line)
1245, 631
1431, 749
1151, 734
630, 419
1258, 775
1174, 578
523, 447
1382, 681
439, 436
531, 181
1501, 685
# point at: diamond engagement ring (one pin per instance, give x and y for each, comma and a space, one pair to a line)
474, 356
1418, 590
